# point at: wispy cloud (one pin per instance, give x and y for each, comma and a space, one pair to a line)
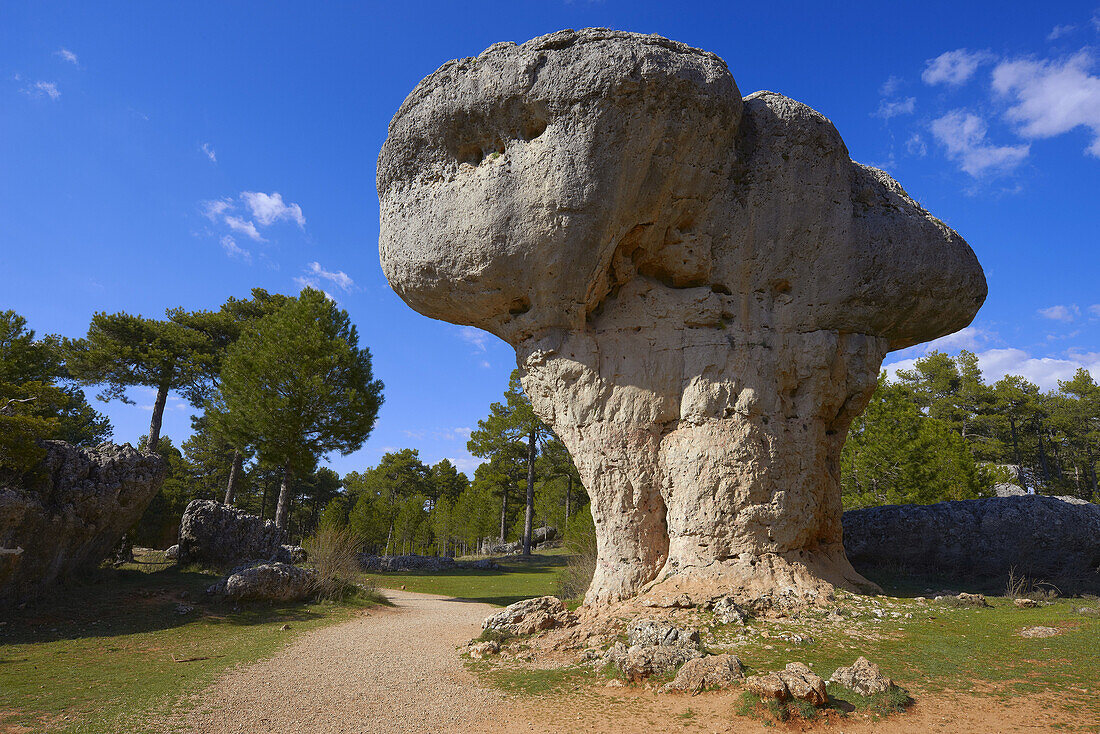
890, 87
916, 145
893, 108
209, 150
1060, 313
475, 337
953, 68
43, 89
1043, 371
963, 136
1051, 97
214, 208
68, 55
246, 228
315, 274
270, 208
234, 250
1094, 310
1060, 30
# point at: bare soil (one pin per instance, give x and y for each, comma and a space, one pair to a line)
398, 670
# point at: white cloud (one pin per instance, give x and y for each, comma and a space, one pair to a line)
484, 364
466, 463
213, 209
963, 134
234, 250
1051, 97
269, 208
1094, 310
39, 89
916, 146
68, 56
1060, 30
246, 228
209, 150
1060, 313
893, 108
315, 274
953, 67
475, 337
1043, 371
890, 86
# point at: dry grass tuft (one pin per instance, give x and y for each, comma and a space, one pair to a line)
334, 555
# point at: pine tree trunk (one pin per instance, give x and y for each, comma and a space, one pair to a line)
1016, 454
263, 502
389, 537
234, 477
283, 508
157, 419
503, 510
568, 502
529, 515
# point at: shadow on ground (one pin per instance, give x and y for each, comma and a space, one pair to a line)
109, 602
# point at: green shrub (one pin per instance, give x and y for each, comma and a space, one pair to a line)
334, 554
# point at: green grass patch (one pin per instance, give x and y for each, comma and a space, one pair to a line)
104, 653
519, 578
531, 681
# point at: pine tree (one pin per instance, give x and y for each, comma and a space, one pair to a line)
299, 383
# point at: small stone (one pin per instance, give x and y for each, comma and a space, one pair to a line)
727, 611
1039, 632
284, 628
183, 609
481, 650
973, 600
652, 632
1025, 603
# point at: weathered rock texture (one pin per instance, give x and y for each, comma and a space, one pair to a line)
529, 616
273, 582
1044, 538
220, 536
82, 505
700, 290
863, 677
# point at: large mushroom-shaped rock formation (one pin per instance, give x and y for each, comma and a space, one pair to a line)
700, 290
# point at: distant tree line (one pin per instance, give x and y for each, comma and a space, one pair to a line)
278, 382
940, 432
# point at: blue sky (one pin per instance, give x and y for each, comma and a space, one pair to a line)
155, 155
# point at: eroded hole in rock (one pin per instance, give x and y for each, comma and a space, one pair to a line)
519, 306
781, 286
533, 128
472, 154
719, 288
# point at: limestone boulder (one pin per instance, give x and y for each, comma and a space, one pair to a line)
529, 616
863, 677
711, 672
74, 515
222, 536
700, 289
983, 540
267, 582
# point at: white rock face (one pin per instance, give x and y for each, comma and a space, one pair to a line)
700, 289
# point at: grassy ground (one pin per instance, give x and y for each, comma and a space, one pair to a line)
519, 578
103, 653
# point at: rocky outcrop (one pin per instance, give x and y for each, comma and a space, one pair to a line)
796, 680
863, 677
1044, 538
82, 505
708, 673
221, 536
700, 289
653, 648
271, 582
529, 616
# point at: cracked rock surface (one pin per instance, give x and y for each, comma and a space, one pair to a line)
700, 289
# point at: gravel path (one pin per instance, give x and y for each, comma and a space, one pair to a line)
394, 670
